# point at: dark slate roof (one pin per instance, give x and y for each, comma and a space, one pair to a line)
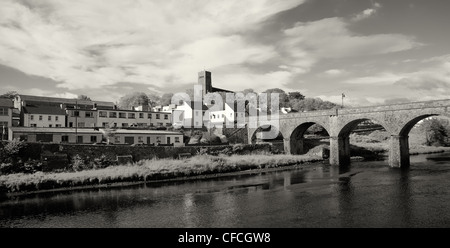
30, 98
6, 102
43, 109
192, 104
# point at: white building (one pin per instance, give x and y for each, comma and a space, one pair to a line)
131, 118
91, 135
6, 110
43, 116
228, 114
190, 114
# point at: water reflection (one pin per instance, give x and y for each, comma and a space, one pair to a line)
365, 194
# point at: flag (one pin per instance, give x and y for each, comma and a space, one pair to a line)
343, 95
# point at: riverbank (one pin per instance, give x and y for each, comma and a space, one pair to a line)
162, 170
145, 171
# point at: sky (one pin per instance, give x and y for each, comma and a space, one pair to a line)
374, 51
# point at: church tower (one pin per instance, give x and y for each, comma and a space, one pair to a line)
204, 79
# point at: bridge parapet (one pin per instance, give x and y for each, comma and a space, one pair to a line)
394, 107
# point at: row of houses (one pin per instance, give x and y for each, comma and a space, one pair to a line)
64, 120
67, 120
61, 112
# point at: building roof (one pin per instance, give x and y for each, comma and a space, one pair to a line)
192, 104
63, 100
43, 109
63, 130
215, 89
6, 102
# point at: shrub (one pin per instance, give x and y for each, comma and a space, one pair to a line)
13, 147
78, 163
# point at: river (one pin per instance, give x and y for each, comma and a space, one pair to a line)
365, 194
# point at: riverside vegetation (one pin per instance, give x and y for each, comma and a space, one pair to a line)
148, 170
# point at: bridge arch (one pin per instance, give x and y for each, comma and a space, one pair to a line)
262, 129
340, 144
297, 137
399, 144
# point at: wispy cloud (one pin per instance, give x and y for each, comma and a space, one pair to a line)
90, 44
367, 12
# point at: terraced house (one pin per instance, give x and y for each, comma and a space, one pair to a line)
6, 108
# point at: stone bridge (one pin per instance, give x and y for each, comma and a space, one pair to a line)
397, 119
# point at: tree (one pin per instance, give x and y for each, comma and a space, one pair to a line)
133, 100
154, 99
84, 97
435, 132
295, 95
166, 99
311, 104
10, 94
283, 98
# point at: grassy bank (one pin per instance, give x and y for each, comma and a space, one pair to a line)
146, 171
378, 143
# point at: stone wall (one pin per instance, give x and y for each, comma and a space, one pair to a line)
67, 152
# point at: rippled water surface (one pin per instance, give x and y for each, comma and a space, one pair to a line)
366, 194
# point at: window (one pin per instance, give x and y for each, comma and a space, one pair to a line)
168, 140
149, 115
157, 116
80, 139
177, 139
93, 139
49, 125
49, 117
102, 113
58, 125
141, 115
3, 111
31, 117
166, 117
3, 124
112, 114
56, 118
80, 124
122, 115
70, 124
76, 113
89, 115
105, 124
131, 116
140, 139
124, 124
116, 139
40, 117
65, 138
33, 125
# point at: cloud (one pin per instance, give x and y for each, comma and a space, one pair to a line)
90, 44
311, 40
382, 78
367, 12
334, 72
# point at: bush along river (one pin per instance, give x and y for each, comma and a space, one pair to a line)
364, 194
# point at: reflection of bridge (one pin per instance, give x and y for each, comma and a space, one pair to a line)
397, 119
